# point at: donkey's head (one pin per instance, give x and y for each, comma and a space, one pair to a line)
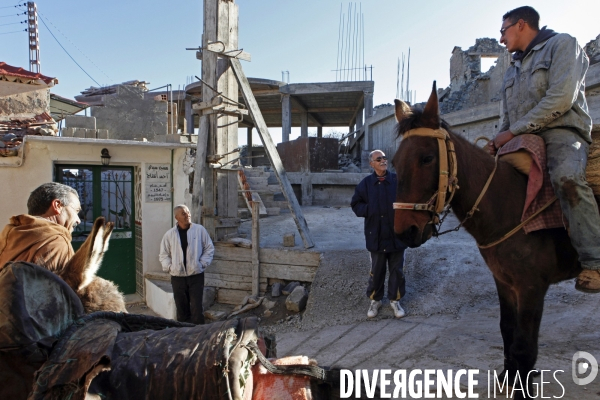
417, 165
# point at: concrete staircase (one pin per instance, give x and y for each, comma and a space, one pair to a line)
265, 183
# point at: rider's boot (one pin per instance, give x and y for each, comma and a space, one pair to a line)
588, 281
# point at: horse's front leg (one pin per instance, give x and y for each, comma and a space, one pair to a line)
508, 324
524, 349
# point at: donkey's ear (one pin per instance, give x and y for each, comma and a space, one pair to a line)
431, 112
402, 110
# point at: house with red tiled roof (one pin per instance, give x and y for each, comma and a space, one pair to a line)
134, 184
24, 106
19, 80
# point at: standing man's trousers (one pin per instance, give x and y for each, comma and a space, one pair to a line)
396, 281
188, 292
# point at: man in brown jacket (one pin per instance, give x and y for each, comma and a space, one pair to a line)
43, 236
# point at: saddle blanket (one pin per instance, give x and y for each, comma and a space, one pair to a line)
539, 188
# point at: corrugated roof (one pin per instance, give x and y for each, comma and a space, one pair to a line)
61, 106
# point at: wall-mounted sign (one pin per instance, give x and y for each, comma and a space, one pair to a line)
158, 182
158, 173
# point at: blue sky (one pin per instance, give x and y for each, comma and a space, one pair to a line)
116, 41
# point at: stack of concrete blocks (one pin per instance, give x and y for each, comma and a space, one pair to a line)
83, 127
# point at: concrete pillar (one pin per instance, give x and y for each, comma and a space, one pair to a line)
286, 118
319, 131
249, 141
189, 116
304, 126
368, 104
359, 119
307, 189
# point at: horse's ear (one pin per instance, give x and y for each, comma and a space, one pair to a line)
402, 110
431, 112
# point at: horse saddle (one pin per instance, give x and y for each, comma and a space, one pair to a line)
527, 153
522, 152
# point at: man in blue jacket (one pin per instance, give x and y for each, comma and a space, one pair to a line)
372, 200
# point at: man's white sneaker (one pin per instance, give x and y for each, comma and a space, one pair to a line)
374, 308
398, 310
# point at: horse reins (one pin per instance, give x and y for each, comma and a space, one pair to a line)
448, 184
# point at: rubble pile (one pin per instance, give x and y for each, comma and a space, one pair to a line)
112, 89
13, 130
347, 164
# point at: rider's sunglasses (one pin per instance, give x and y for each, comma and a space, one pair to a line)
378, 159
503, 30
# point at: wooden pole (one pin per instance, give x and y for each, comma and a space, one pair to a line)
255, 249
272, 153
226, 131
215, 195
202, 197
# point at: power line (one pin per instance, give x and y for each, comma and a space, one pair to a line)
14, 23
74, 45
12, 15
6, 33
42, 19
16, 5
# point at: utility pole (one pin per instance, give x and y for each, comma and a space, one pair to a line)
215, 194
216, 189
34, 41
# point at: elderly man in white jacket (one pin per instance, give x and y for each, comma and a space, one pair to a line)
185, 252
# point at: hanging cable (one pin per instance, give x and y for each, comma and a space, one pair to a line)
16, 5
14, 23
80, 67
74, 45
13, 15
6, 33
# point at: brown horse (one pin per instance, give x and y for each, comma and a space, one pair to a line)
523, 266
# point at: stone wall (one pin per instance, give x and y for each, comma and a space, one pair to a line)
592, 49
25, 105
127, 115
469, 86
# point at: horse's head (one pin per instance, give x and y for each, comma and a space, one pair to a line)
417, 166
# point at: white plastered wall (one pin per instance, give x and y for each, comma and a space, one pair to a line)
35, 165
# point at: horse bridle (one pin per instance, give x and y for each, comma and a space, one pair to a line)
448, 170
448, 184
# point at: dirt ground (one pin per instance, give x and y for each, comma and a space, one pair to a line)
452, 319
452, 309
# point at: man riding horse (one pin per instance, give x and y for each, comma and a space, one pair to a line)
543, 93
